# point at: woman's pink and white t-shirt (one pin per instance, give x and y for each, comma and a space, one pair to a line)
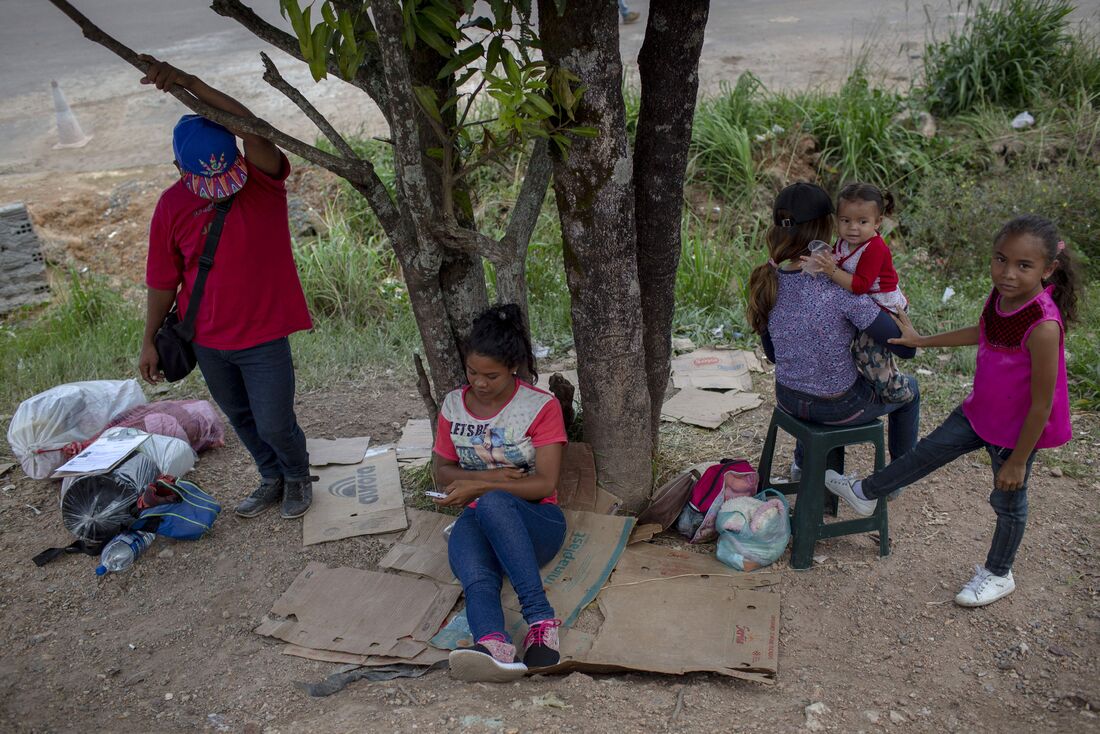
530, 419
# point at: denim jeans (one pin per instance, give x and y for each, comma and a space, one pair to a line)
504, 534
859, 405
254, 387
942, 446
623, 9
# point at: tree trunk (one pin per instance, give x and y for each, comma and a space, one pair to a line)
595, 199
668, 64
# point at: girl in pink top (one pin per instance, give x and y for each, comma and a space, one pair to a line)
1019, 403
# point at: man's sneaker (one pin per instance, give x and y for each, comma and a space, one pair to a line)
631, 16
266, 495
841, 486
985, 588
491, 660
541, 644
297, 497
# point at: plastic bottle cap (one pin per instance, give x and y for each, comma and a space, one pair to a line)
100, 570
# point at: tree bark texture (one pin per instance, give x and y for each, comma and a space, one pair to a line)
595, 198
669, 68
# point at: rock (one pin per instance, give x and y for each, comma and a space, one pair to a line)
814, 712
578, 680
1056, 472
225, 615
1059, 651
872, 716
897, 717
168, 696
166, 553
1023, 649
683, 345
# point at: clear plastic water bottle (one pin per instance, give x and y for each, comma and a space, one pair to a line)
122, 551
809, 266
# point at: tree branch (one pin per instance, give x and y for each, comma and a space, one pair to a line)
525, 214
275, 79
368, 77
360, 173
411, 174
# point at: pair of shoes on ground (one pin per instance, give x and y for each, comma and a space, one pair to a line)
985, 588
493, 659
295, 495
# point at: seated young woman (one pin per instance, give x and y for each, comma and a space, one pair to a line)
807, 324
497, 454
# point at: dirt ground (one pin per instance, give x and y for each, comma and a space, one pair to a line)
169, 647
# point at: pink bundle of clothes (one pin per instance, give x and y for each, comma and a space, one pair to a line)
193, 421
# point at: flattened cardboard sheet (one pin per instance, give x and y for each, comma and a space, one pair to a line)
593, 544
430, 656
422, 550
356, 499
324, 451
734, 629
577, 489
715, 369
416, 440
707, 409
359, 612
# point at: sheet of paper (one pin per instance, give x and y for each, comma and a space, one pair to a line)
355, 499
105, 453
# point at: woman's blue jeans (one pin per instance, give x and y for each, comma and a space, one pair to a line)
502, 535
857, 406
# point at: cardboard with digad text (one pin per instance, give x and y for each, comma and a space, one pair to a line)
593, 544
355, 499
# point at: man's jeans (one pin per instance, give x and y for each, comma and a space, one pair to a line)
857, 406
255, 389
945, 444
504, 535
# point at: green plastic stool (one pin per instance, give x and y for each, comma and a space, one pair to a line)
823, 448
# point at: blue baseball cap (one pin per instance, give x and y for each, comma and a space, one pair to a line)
207, 155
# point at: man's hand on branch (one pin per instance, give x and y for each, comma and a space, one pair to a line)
163, 75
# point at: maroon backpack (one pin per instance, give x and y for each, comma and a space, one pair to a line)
710, 485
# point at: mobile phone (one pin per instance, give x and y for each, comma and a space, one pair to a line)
437, 495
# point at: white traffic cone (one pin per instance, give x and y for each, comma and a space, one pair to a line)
68, 129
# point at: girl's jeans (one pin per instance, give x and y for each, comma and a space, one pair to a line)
859, 405
502, 535
942, 446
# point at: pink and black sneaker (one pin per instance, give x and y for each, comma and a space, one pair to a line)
541, 644
492, 660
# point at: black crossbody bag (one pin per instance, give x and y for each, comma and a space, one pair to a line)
175, 354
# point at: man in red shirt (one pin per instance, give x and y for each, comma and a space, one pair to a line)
253, 299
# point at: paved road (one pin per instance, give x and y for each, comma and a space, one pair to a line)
788, 43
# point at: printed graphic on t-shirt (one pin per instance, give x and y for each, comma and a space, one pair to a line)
481, 446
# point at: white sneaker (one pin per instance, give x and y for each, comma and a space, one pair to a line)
841, 486
795, 476
985, 588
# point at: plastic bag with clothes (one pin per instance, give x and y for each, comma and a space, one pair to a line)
753, 531
47, 427
193, 421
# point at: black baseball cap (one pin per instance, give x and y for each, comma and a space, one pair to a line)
804, 202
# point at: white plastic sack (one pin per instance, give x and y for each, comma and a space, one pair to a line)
44, 424
171, 455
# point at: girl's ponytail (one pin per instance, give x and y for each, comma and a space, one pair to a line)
763, 285
1066, 282
500, 333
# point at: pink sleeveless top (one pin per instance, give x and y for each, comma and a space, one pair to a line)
1001, 398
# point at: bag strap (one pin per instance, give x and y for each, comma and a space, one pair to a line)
186, 328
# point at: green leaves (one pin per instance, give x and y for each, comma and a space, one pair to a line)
341, 36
